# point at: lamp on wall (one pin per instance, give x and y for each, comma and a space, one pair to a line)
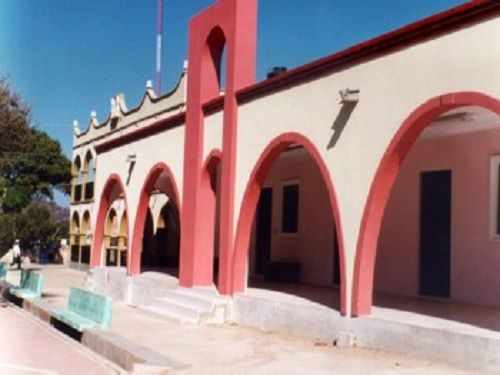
131, 157
349, 95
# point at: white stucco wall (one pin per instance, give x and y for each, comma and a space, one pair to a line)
391, 87
166, 147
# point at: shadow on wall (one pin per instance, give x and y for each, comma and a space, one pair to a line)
340, 123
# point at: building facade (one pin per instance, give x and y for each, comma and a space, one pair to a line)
373, 169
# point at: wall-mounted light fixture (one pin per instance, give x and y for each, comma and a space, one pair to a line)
349, 95
131, 157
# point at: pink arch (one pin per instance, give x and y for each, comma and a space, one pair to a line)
384, 179
142, 209
112, 190
251, 197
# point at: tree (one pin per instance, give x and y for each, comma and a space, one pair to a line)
34, 224
31, 163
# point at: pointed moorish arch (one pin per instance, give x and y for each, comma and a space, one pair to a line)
142, 210
383, 182
251, 197
86, 222
113, 189
75, 223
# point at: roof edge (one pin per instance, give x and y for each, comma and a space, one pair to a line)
405, 36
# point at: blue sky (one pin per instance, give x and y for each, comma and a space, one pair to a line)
68, 57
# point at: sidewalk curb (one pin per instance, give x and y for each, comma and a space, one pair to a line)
115, 348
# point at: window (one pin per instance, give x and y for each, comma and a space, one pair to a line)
495, 197
290, 208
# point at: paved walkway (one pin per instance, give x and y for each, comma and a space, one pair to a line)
234, 349
28, 346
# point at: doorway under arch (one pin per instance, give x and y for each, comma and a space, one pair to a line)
296, 198
112, 192
74, 233
437, 111
154, 246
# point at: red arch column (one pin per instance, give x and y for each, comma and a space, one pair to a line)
249, 205
384, 179
142, 208
232, 23
113, 189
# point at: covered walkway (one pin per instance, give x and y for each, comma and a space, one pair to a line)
432, 313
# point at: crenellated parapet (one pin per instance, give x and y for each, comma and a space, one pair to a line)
120, 117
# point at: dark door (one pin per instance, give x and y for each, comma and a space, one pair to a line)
263, 241
435, 233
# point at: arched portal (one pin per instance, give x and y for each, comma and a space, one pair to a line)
159, 189
232, 24
74, 233
76, 180
112, 194
88, 177
385, 178
85, 238
288, 222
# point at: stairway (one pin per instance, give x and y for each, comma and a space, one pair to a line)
191, 306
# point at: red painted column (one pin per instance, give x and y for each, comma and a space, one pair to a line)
230, 23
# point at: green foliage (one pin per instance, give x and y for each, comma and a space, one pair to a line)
31, 163
34, 223
7, 232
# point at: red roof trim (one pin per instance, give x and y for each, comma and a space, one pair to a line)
413, 33
147, 131
214, 105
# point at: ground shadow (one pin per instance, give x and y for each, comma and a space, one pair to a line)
328, 296
66, 329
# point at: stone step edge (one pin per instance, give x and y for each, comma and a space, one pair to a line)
126, 353
164, 303
169, 315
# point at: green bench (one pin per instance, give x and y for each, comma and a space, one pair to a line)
85, 310
3, 271
31, 286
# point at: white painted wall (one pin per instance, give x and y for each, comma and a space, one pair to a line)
391, 87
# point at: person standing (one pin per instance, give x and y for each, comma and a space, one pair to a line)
16, 254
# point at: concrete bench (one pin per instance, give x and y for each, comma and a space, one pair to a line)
31, 286
85, 310
3, 271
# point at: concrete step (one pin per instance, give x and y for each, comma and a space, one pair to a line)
201, 301
177, 307
198, 305
170, 315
